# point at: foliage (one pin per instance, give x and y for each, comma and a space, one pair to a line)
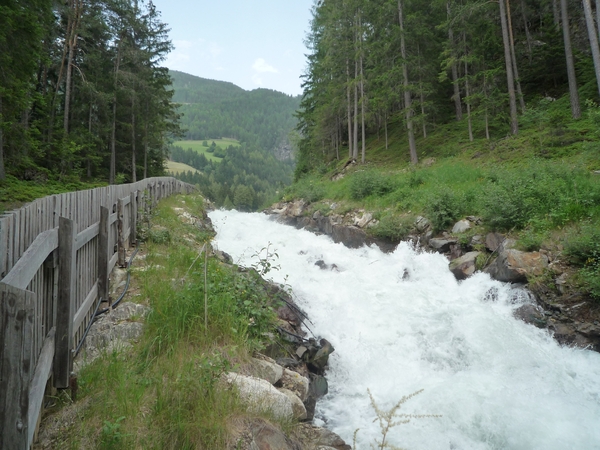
583, 250
366, 183
444, 209
393, 227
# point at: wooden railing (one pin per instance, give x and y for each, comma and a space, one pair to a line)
56, 255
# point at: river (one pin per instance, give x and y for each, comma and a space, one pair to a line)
401, 323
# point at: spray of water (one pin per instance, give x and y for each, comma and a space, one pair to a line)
400, 322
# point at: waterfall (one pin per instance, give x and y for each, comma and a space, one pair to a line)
400, 322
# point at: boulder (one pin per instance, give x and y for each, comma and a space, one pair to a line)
515, 266
363, 220
296, 383
295, 209
531, 314
493, 241
461, 226
267, 370
266, 436
319, 438
298, 408
464, 266
422, 224
260, 395
441, 245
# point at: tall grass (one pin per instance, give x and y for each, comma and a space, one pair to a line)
163, 393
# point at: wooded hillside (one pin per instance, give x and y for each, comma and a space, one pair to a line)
82, 90
214, 109
483, 64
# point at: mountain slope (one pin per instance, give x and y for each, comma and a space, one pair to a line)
214, 109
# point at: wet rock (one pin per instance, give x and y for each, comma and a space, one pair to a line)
260, 395
461, 226
531, 314
318, 387
515, 266
350, 236
464, 266
313, 437
319, 361
441, 245
267, 437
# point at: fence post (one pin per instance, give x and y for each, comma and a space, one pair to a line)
120, 231
103, 255
133, 220
63, 359
17, 308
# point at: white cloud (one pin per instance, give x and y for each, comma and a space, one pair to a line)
261, 66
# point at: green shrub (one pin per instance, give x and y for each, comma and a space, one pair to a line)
393, 227
444, 208
583, 250
366, 183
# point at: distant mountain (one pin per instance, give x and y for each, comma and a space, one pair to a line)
214, 109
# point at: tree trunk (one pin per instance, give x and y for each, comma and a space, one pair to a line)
514, 124
514, 57
355, 144
573, 94
133, 163
350, 152
362, 96
75, 9
386, 134
407, 98
2, 170
556, 12
598, 16
589, 19
113, 137
454, 70
467, 92
89, 162
527, 33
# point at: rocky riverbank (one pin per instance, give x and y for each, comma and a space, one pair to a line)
555, 305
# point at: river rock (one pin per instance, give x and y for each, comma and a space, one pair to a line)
296, 383
298, 408
493, 241
267, 370
441, 245
363, 220
531, 314
515, 266
296, 208
464, 266
422, 224
260, 395
265, 436
320, 438
461, 226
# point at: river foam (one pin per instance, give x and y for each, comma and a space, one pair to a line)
400, 323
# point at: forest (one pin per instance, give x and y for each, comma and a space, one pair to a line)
83, 94
213, 109
422, 64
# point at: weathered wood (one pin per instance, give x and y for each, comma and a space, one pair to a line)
125, 200
16, 365
3, 246
25, 269
87, 235
63, 361
113, 218
120, 234
38, 384
83, 310
103, 256
133, 221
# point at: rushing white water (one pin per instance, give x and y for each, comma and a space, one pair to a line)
497, 382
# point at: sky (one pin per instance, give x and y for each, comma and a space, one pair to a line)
251, 43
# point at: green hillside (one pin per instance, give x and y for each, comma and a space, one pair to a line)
216, 109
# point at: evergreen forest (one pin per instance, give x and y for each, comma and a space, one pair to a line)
83, 94
373, 64
213, 109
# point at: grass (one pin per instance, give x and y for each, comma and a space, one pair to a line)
164, 393
198, 147
176, 168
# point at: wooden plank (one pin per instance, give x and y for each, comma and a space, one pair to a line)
38, 384
133, 220
87, 235
3, 246
103, 256
84, 309
120, 234
16, 321
25, 269
113, 218
125, 200
63, 361
113, 262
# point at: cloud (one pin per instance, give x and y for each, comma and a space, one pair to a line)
261, 66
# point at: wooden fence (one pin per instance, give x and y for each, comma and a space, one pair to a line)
56, 254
